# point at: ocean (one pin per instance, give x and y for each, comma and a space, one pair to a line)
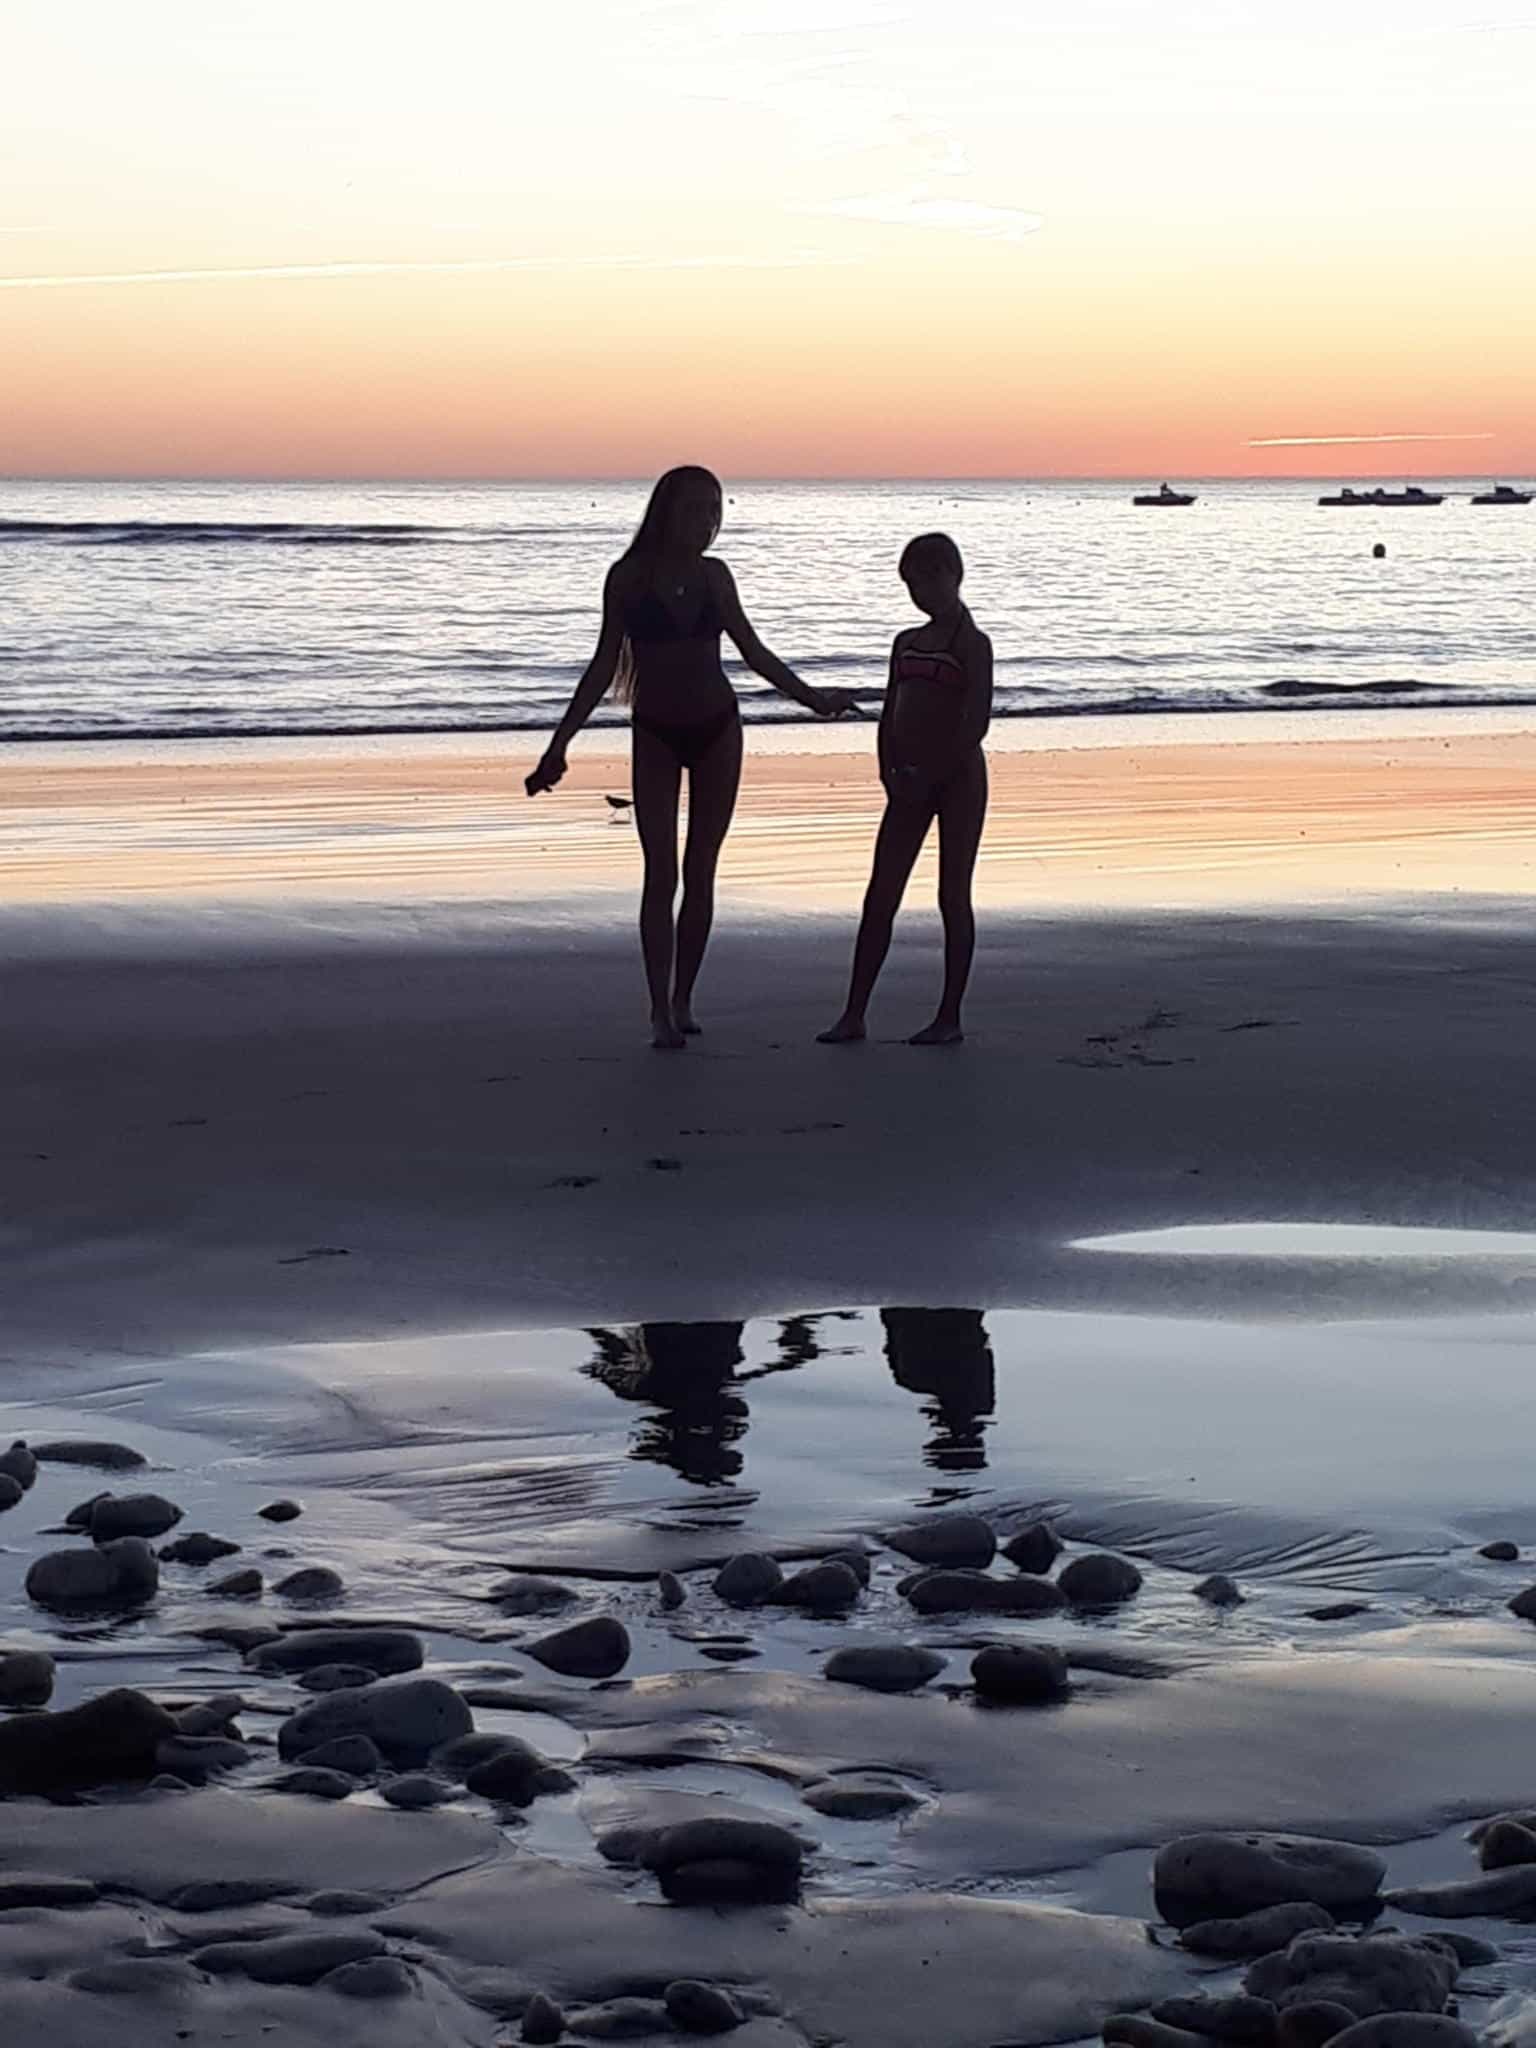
158, 610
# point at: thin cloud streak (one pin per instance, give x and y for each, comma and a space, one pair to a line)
922, 210
802, 259
1356, 440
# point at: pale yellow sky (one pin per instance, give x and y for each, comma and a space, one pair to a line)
494, 237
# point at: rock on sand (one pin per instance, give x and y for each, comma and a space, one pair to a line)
109, 1739
20, 1464
114, 1575
1372, 1974
90, 1452
1237, 1873
1099, 1580
973, 1592
132, 1514
884, 1667
1034, 1549
386, 1652
598, 1648
946, 1540
406, 1717
1020, 1674
749, 1579
726, 1862
26, 1678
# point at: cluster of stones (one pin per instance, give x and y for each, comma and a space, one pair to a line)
116, 1569
372, 1720
954, 1554
1295, 1912
1275, 1903
686, 2006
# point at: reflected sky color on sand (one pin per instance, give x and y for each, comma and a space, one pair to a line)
1316, 1241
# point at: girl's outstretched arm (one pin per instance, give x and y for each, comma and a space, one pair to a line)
596, 679
825, 703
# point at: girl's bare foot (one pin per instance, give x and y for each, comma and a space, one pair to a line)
846, 1031
665, 1036
683, 1018
942, 1031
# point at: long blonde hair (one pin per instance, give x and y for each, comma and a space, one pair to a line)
650, 538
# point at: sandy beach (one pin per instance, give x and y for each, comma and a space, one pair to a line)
335, 1165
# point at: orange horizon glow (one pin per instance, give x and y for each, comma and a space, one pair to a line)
797, 239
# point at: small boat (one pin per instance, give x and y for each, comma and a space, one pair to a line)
1164, 496
1411, 496
1504, 494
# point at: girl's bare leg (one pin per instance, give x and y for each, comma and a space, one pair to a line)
712, 786
962, 813
656, 776
902, 832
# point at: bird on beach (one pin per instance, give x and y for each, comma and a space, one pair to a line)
619, 803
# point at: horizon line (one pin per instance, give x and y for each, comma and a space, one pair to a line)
574, 478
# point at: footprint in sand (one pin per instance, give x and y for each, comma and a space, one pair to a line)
1264, 1024
665, 1165
186, 1123
1138, 1056
316, 1251
1120, 1049
574, 1180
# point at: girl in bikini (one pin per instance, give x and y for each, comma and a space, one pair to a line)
938, 704
666, 603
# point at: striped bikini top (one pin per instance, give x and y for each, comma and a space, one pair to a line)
931, 664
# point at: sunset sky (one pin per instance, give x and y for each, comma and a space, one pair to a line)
788, 237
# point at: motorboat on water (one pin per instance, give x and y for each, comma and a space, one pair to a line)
1504, 494
1411, 496
1164, 496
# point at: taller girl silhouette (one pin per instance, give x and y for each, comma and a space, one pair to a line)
666, 602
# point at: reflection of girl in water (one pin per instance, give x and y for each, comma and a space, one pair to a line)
944, 1352
687, 1371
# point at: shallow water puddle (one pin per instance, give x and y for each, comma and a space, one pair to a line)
1346, 1473
1329, 1451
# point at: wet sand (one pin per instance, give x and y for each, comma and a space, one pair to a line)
335, 1164
1209, 810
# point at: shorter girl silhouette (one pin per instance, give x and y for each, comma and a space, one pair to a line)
938, 705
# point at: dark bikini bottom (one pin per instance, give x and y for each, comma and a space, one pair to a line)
689, 739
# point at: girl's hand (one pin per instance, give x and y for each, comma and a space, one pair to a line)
833, 703
549, 771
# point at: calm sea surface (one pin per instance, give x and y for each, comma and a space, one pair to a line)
133, 610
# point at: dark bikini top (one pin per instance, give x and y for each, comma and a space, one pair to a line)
648, 622
931, 664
